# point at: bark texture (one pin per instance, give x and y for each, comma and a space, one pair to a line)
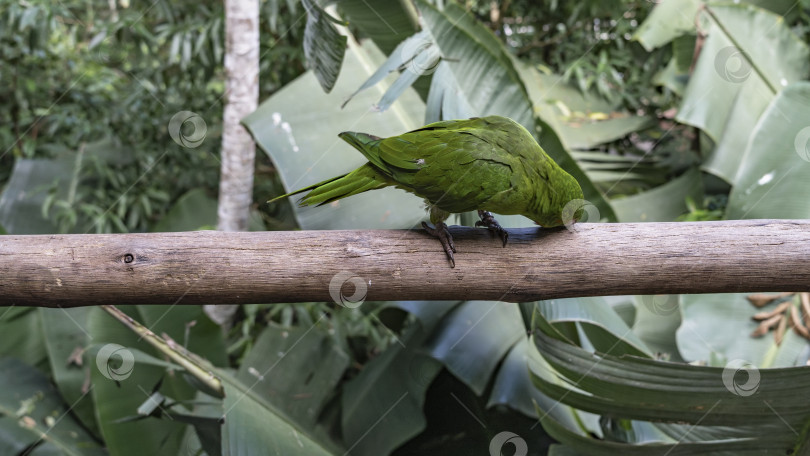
241, 99
210, 267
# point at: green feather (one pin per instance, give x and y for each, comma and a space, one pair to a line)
488, 163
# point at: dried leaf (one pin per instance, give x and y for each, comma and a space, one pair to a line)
771, 313
763, 299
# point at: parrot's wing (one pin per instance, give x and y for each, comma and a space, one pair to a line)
457, 169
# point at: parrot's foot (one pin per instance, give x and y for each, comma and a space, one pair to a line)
443, 233
488, 220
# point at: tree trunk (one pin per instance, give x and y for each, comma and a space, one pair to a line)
241, 98
238, 148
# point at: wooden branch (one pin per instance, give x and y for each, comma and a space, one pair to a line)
592, 259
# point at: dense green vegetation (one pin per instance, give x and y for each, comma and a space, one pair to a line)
682, 110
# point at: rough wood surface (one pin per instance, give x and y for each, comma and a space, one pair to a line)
209, 267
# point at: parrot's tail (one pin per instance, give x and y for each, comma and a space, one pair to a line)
362, 179
367, 145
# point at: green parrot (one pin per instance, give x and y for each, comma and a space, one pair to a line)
489, 164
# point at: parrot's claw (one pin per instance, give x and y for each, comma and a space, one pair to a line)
488, 220
443, 233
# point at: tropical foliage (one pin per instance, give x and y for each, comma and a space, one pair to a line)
676, 111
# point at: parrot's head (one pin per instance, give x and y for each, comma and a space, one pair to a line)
567, 205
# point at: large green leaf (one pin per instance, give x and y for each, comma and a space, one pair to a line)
414, 57
22, 200
382, 406
65, 335
513, 386
639, 388
582, 120
726, 409
663, 203
699, 340
298, 127
33, 413
324, 46
483, 75
590, 320
296, 369
772, 178
249, 421
22, 336
749, 56
671, 19
656, 321
253, 426
386, 22
473, 339
668, 20
119, 396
